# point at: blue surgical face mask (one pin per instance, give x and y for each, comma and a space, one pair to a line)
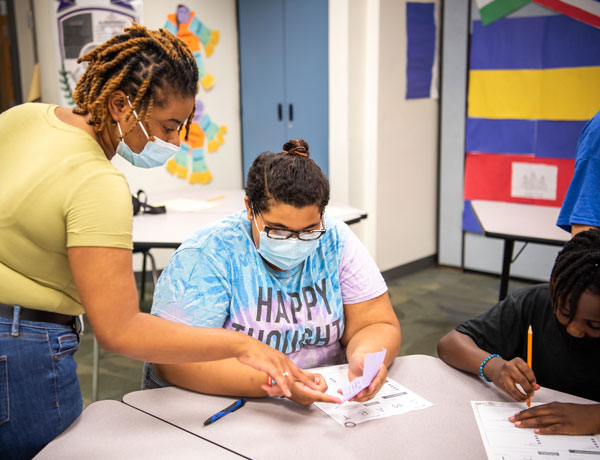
285, 254
155, 153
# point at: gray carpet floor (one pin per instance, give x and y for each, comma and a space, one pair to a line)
428, 303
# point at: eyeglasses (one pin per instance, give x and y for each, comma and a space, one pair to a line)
304, 235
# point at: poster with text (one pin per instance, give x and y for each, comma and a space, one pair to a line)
80, 26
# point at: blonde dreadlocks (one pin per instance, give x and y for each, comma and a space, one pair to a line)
137, 62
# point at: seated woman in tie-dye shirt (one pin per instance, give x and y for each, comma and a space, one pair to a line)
283, 273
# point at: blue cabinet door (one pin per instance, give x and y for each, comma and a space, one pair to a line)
307, 74
284, 76
261, 77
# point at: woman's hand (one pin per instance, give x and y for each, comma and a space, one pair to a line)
355, 370
506, 375
303, 394
560, 418
272, 362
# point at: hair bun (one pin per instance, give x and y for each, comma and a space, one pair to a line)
296, 147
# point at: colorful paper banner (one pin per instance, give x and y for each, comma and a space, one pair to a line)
489, 177
544, 139
548, 94
544, 42
587, 11
492, 10
420, 54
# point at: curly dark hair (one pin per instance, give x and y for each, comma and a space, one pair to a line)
139, 62
289, 177
576, 270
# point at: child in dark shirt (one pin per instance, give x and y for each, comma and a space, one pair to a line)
565, 319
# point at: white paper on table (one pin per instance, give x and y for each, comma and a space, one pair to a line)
187, 205
392, 399
503, 441
533, 180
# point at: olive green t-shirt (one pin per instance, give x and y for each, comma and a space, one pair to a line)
57, 190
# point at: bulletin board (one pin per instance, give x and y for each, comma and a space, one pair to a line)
533, 84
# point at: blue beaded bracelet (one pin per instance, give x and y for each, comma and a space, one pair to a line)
483, 364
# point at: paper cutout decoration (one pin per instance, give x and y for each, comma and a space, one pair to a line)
587, 11
420, 50
185, 25
202, 129
492, 10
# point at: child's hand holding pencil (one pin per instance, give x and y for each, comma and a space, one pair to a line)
507, 374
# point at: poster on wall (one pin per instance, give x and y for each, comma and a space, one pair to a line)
189, 162
80, 26
421, 53
532, 88
533, 180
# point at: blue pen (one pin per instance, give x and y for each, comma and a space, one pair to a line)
235, 406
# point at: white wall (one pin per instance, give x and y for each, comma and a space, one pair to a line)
407, 152
386, 146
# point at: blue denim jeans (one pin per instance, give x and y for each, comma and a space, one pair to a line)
39, 389
151, 379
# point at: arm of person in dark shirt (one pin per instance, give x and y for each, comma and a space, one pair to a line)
578, 228
460, 351
560, 418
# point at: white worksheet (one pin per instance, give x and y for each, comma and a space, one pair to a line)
504, 441
392, 399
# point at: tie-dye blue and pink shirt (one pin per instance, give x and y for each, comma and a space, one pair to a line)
218, 279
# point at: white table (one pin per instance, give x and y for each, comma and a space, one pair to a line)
270, 428
518, 222
110, 429
169, 230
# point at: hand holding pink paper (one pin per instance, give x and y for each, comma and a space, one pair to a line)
372, 364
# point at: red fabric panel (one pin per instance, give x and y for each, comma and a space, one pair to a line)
488, 177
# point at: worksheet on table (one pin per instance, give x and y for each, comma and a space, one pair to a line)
504, 441
392, 399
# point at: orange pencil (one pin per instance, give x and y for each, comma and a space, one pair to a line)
529, 354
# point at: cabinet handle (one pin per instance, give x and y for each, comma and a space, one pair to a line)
291, 112
280, 112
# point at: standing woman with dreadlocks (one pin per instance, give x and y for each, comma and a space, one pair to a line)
65, 235
565, 318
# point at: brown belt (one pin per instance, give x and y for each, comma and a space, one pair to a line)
28, 314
